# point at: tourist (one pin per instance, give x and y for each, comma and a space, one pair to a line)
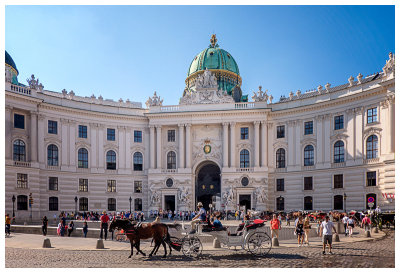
275, 226
85, 228
8, 224
344, 221
44, 225
350, 226
104, 220
70, 228
217, 222
366, 222
326, 231
287, 220
201, 216
307, 228
300, 231
60, 229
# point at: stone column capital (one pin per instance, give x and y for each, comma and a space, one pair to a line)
232, 124
188, 125
181, 125
225, 124
257, 122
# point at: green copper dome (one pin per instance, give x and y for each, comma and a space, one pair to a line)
9, 61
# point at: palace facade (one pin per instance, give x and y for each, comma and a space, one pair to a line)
328, 149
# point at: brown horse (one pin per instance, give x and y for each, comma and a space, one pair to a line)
157, 231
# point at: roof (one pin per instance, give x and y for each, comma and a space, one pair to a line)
10, 62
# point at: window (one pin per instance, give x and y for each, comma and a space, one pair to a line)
137, 136
137, 161
280, 158
308, 205
112, 204
372, 147
280, 131
369, 196
338, 202
338, 181
308, 183
245, 181
371, 179
83, 185
280, 203
53, 203
52, 155
171, 135
244, 159
339, 122
19, 121
138, 186
309, 155
53, 183
22, 202
280, 184
110, 134
372, 115
82, 158
308, 128
52, 127
111, 186
83, 204
82, 131
19, 150
138, 204
22, 181
244, 133
171, 160
169, 182
111, 159
338, 152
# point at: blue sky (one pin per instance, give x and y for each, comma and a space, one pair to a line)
129, 52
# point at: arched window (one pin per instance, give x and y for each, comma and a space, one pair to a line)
308, 203
53, 203
338, 152
19, 150
22, 202
138, 204
171, 160
244, 159
83, 204
83, 158
280, 203
137, 161
280, 158
309, 155
338, 202
52, 155
112, 204
111, 159
372, 147
371, 197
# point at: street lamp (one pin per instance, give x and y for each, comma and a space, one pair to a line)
130, 205
210, 206
344, 198
76, 205
13, 201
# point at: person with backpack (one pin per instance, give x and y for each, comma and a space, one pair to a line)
70, 228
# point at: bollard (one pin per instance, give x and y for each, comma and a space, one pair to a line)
100, 244
46, 243
367, 233
376, 230
216, 243
336, 237
275, 241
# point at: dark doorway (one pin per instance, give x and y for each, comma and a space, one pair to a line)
245, 201
169, 202
208, 184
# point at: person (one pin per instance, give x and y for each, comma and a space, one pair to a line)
104, 219
217, 222
275, 226
326, 231
307, 228
287, 220
85, 228
44, 225
344, 221
60, 229
350, 226
201, 216
70, 228
8, 224
366, 222
300, 231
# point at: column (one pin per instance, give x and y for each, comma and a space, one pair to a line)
297, 144
181, 146
128, 155
34, 136
159, 165
320, 140
225, 144
290, 153
327, 138
72, 149
41, 130
270, 149
256, 144
358, 133
188, 146
9, 126
391, 126
121, 147
233, 144
93, 145
152, 165
64, 142
101, 133
264, 143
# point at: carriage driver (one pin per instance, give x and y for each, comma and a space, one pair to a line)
201, 216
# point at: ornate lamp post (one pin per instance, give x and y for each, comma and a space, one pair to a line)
210, 206
76, 205
13, 201
344, 198
130, 205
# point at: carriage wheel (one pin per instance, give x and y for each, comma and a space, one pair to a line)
259, 244
191, 246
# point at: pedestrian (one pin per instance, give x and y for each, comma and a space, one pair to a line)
44, 225
307, 228
326, 231
60, 229
344, 221
350, 226
85, 228
275, 227
104, 220
70, 228
366, 222
8, 224
287, 220
300, 231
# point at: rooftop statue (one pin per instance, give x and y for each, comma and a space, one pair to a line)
34, 84
154, 101
260, 95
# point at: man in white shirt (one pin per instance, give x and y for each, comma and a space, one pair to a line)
326, 230
345, 219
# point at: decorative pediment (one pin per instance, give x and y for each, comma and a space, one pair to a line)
372, 131
110, 146
305, 141
280, 144
137, 148
339, 136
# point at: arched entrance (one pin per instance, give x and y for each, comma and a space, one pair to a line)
208, 184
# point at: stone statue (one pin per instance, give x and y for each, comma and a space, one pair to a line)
154, 101
206, 80
260, 195
229, 195
260, 95
34, 83
184, 196
154, 196
390, 65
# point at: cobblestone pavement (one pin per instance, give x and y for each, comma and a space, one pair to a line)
376, 253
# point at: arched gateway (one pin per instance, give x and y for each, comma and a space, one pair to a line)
208, 184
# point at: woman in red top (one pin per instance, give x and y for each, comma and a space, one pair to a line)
104, 219
275, 226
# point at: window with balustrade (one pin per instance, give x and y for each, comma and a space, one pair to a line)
52, 155
309, 155
244, 159
372, 147
83, 158
19, 152
138, 161
280, 158
111, 159
171, 160
338, 152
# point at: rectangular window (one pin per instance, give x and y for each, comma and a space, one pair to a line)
308, 128
339, 122
52, 127
372, 115
110, 134
22, 181
171, 135
308, 183
280, 131
371, 179
338, 181
244, 133
83, 184
138, 187
111, 186
19, 121
137, 136
53, 183
280, 184
82, 132
53, 203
